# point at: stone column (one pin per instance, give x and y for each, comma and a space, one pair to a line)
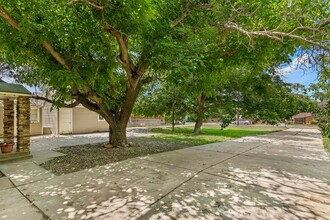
23, 124
8, 121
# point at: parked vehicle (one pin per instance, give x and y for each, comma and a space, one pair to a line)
241, 122
178, 122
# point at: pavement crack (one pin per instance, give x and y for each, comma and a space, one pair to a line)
44, 216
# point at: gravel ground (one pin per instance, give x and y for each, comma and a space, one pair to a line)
91, 155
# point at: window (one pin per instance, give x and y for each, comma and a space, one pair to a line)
101, 118
34, 115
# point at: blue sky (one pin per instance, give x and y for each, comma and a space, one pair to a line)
304, 77
298, 71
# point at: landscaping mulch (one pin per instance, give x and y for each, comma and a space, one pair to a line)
91, 155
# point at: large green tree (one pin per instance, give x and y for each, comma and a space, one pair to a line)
321, 92
272, 100
100, 52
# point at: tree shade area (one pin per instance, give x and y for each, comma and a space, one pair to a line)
100, 53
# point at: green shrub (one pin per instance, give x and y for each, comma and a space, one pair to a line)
313, 122
326, 143
325, 128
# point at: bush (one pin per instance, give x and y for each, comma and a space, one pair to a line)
326, 143
313, 122
325, 128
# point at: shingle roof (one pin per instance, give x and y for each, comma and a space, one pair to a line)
303, 115
13, 88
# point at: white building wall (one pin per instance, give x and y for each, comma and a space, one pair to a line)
50, 118
65, 121
1, 119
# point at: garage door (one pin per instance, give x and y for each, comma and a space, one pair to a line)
65, 120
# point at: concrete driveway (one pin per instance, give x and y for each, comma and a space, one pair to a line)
283, 175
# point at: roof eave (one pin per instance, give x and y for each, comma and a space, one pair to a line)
13, 94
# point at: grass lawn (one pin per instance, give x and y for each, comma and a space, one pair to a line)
209, 134
326, 143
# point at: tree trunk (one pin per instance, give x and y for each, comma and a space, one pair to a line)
200, 113
117, 135
172, 120
198, 124
237, 119
118, 120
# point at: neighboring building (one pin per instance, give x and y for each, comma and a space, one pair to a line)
212, 120
81, 120
35, 119
303, 118
45, 120
142, 121
72, 121
15, 121
49, 119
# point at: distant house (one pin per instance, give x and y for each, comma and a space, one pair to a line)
303, 118
142, 121
212, 120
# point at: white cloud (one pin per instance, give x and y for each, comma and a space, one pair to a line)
300, 62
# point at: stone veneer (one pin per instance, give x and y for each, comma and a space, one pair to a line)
23, 124
8, 121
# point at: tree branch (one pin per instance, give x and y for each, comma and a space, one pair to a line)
87, 104
142, 67
123, 58
71, 105
277, 35
92, 3
50, 49
57, 56
96, 5
122, 40
326, 23
9, 19
228, 53
45, 44
96, 108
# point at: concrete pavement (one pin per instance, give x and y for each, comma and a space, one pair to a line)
283, 175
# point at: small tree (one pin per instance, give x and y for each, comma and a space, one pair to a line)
162, 99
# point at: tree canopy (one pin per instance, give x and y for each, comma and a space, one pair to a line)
99, 53
261, 96
321, 93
